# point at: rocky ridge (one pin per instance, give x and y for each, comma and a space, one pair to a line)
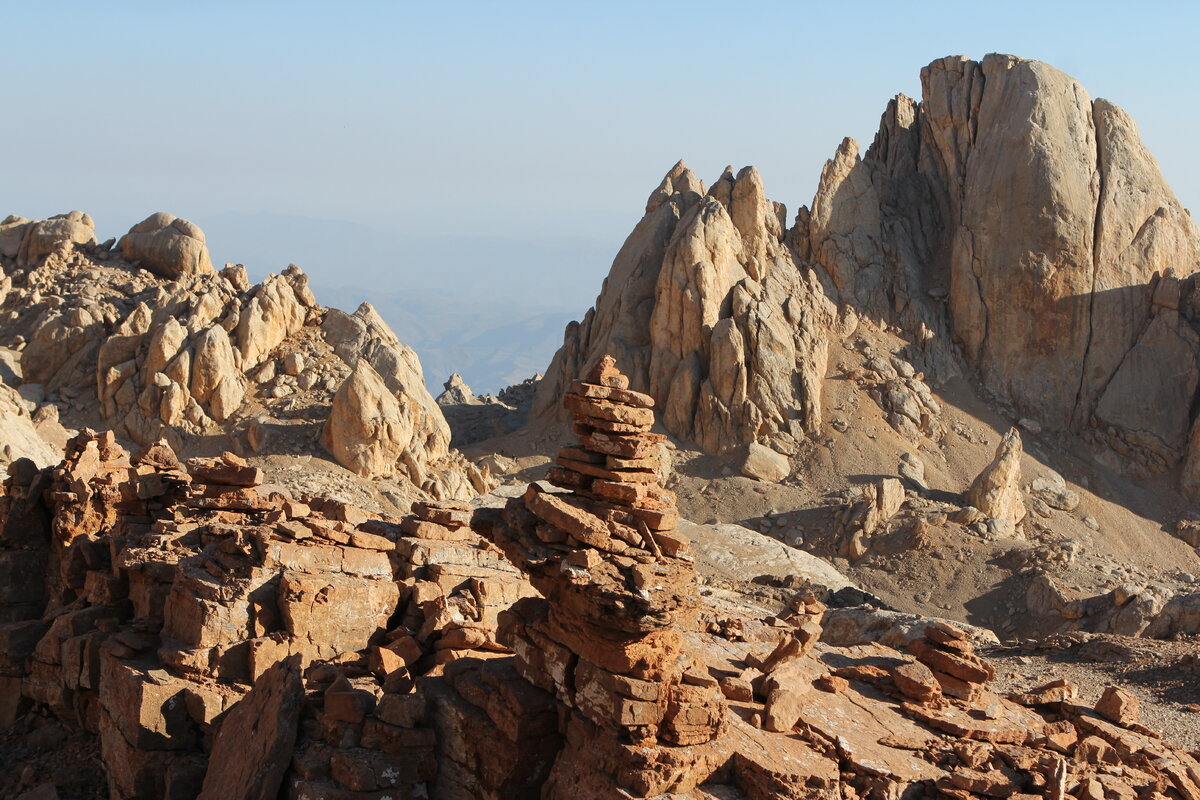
206, 360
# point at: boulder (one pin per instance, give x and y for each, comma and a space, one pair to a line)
764, 464
997, 490
42, 237
166, 245
367, 431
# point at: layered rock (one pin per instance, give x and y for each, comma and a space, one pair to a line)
707, 311
146, 596
611, 565
223, 639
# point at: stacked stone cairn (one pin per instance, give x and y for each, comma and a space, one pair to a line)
616, 583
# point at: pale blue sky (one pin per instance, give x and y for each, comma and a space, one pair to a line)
534, 131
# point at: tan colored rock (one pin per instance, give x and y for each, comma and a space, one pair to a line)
706, 310
367, 430
997, 490
217, 383
764, 464
42, 237
277, 310
166, 245
12, 231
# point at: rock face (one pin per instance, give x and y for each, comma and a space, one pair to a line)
997, 490
253, 747
1006, 223
1041, 217
707, 311
166, 245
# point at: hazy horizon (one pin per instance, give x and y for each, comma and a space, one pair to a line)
480, 153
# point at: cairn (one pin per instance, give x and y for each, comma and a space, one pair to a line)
615, 578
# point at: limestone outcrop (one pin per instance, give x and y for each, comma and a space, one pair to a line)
167, 245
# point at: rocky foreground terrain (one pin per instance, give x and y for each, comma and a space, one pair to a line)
896, 500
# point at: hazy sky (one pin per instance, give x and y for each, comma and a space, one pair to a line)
502, 149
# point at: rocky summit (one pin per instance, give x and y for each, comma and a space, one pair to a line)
894, 496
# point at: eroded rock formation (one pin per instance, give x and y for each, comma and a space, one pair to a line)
707, 311
1039, 218
166, 245
1006, 223
222, 638
996, 492
208, 355
146, 596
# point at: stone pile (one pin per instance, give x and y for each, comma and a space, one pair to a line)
617, 647
365, 729
616, 580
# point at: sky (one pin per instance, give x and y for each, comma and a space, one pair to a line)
501, 152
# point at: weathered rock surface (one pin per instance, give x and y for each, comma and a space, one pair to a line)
706, 309
1010, 162
28, 241
1007, 223
207, 356
253, 746
166, 245
375, 432
145, 599
997, 490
